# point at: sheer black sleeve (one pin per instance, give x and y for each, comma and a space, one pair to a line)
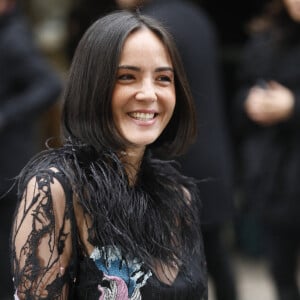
42, 240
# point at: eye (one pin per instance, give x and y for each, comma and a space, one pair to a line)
125, 77
165, 78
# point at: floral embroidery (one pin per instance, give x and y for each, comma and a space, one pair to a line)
124, 278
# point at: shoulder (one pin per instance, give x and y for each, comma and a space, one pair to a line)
44, 167
46, 183
168, 168
169, 174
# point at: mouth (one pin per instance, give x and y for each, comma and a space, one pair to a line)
141, 116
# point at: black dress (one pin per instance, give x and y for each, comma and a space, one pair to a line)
270, 155
69, 255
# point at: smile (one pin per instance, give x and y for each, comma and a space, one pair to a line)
142, 116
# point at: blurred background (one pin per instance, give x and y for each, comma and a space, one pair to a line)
57, 26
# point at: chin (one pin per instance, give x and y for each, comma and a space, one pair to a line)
296, 19
295, 16
144, 142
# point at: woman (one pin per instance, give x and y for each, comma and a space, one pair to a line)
268, 120
104, 217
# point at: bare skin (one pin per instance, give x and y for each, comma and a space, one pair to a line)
271, 105
6, 6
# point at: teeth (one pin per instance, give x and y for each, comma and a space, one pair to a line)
142, 116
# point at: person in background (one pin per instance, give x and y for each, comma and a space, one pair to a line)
267, 121
210, 158
28, 86
107, 215
81, 15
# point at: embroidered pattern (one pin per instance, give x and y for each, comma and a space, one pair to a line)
124, 278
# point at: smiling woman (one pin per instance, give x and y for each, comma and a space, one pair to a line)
143, 100
105, 216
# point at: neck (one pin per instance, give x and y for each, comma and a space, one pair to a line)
132, 158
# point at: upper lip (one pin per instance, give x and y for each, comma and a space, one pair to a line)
143, 113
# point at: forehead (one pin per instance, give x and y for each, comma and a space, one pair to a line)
144, 44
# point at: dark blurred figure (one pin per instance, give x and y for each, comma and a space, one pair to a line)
27, 87
210, 158
267, 116
83, 13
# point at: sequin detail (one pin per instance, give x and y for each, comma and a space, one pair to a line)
123, 278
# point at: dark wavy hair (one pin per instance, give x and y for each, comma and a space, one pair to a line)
157, 219
87, 112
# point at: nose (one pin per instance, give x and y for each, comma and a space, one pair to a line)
146, 92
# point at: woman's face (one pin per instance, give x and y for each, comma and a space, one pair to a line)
144, 97
293, 9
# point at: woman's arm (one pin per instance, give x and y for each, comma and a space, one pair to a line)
42, 240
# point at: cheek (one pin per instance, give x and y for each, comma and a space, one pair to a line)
169, 109
116, 106
117, 100
172, 102
172, 107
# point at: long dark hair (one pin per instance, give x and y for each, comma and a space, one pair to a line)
157, 218
87, 113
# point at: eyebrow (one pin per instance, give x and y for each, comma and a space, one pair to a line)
133, 68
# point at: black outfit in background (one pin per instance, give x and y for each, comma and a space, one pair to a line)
27, 88
270, 155
82, 14
210, 158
